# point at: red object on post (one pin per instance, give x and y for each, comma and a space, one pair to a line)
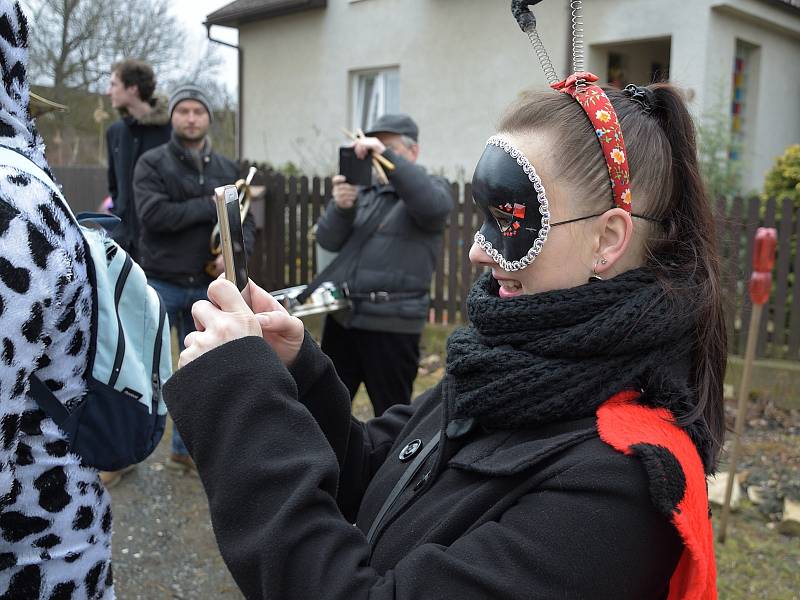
764, 250
760, 287
760, 284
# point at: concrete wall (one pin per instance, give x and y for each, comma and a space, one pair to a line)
774, 104
612, 22
462, 61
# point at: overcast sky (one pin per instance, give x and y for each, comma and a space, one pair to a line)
192, 13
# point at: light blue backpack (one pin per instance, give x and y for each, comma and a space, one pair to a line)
121, 418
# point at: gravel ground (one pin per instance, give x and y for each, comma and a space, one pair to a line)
163, 545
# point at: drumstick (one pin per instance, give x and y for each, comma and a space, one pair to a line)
250, 174
382, 178
247, 181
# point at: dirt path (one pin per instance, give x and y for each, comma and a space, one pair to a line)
163, 545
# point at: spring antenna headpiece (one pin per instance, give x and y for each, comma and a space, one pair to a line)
527, 22
578, 53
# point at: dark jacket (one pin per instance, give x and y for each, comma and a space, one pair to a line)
126, 140
174, 200
547, 513
400, 256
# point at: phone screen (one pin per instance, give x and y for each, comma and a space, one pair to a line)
232, 237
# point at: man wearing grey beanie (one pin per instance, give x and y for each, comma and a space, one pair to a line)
190, 92
174, 188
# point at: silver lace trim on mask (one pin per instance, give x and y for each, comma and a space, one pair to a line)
544, 209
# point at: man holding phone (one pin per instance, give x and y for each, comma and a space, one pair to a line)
174, 192
389, 237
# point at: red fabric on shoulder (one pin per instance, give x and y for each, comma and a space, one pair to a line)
624, 424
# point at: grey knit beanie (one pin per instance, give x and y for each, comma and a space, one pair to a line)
190, 92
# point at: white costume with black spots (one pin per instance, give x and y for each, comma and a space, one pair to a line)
55, 515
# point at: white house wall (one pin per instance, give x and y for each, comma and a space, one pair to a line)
621, 21
777, 112
462, 61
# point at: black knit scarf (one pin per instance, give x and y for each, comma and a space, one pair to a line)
536, 359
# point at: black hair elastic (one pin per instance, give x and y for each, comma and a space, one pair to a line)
641, 95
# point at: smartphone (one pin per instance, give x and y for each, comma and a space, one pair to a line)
232, 237
356, 171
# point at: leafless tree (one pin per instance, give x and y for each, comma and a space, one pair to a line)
200, 69
74, 42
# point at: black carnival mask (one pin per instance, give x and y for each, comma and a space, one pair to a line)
515, 209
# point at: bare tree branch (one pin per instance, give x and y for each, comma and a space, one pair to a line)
75, 42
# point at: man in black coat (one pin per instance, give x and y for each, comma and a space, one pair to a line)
174, 186
143, 125
390, 237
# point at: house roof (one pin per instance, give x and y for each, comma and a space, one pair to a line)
239, 12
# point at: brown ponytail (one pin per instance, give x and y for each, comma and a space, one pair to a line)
688, 240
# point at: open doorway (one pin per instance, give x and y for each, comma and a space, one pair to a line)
641, 61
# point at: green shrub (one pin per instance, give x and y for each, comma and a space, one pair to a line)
783, 180
716, 143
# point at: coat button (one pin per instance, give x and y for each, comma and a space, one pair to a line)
410, 450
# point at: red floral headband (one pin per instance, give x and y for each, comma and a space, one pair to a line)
601, 113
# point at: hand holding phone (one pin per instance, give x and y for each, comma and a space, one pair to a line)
232, 237
356, 171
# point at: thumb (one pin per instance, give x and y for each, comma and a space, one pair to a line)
224, 294
277, 322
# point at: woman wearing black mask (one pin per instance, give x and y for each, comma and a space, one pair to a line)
563, 454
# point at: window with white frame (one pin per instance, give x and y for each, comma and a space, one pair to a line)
374, 93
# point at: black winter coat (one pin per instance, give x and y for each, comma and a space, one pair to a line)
174, 201
400, 256
547, 513
126, 140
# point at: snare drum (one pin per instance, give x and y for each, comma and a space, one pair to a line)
327, 298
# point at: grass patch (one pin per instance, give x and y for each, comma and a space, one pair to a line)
755, 561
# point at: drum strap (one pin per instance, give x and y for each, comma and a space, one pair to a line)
378, 297
351, 248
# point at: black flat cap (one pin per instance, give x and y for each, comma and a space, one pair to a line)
398, 123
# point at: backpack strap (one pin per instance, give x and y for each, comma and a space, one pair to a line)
48, 402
